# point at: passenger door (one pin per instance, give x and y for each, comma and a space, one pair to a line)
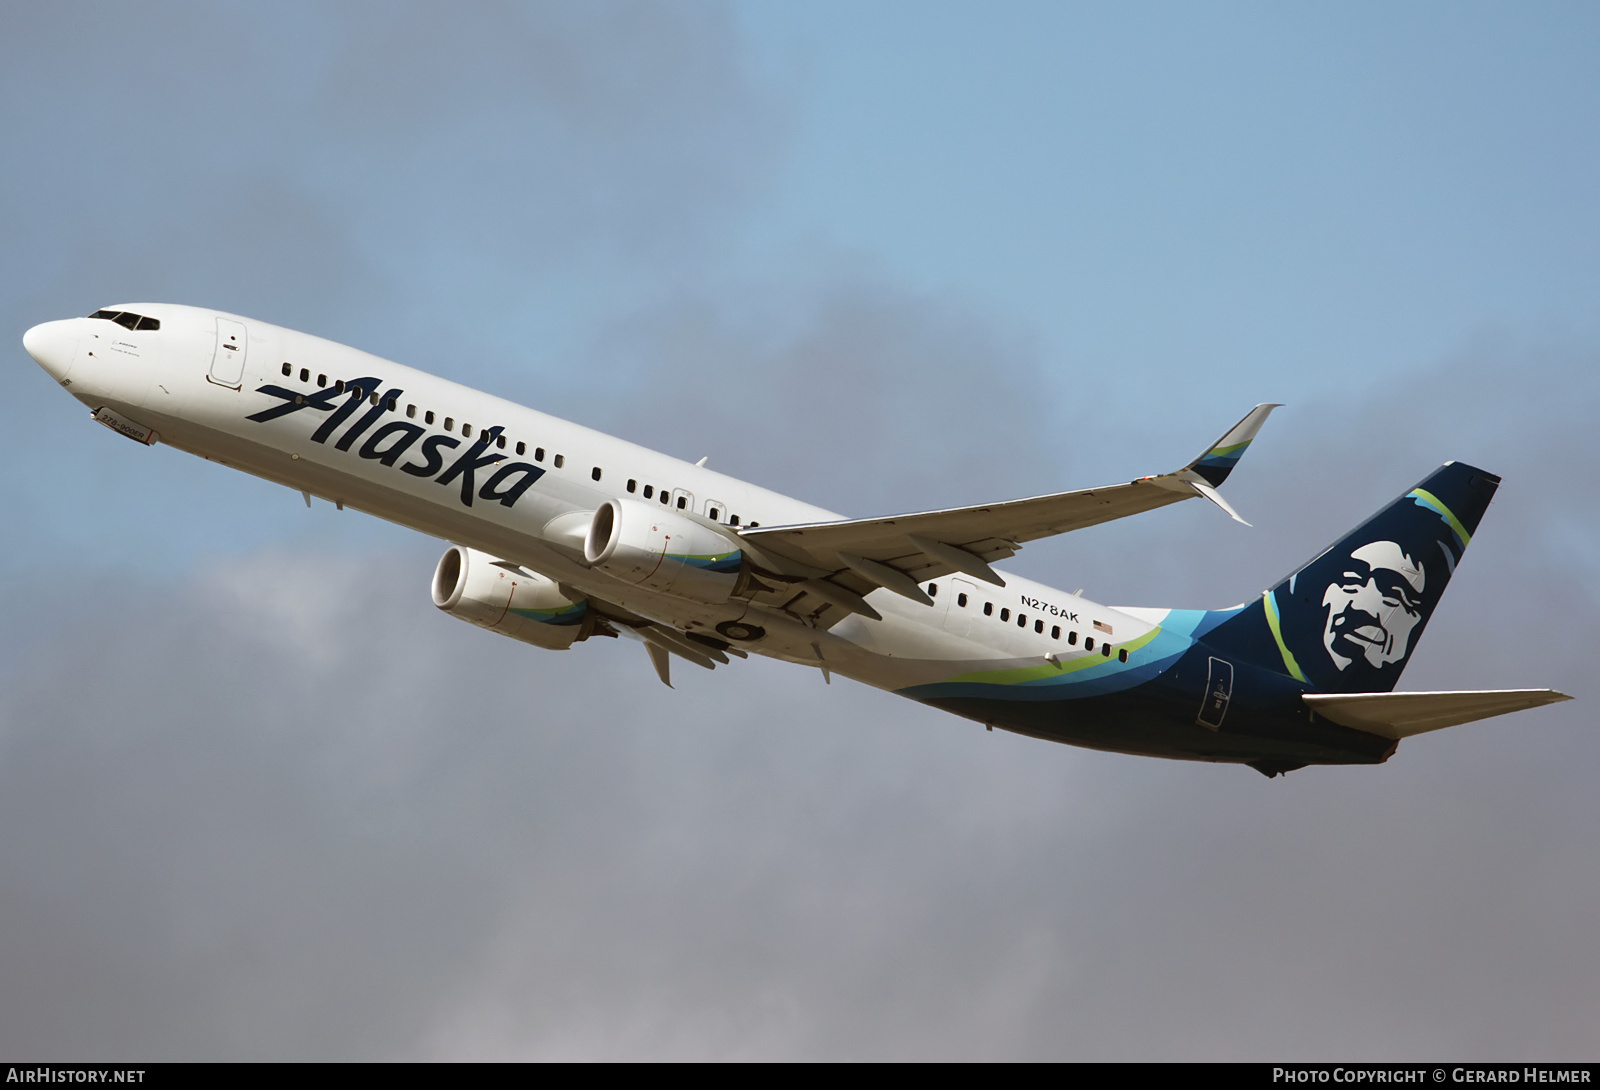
227, 362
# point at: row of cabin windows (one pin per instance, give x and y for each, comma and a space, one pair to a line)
449, 424
1038, 626
650, 491
558, 461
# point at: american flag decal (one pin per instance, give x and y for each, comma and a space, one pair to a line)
1101, 626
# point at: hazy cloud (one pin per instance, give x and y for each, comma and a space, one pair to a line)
295, 811
849, 393
258, 799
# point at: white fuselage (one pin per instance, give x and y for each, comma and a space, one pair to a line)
197, 390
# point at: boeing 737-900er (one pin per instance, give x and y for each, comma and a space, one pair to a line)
562, 534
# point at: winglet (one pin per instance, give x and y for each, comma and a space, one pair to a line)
1218, 461
1202, 476
1216, 497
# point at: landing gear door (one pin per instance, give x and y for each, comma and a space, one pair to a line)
1219, 690
227, 364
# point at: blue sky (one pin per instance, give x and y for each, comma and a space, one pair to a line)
884, 257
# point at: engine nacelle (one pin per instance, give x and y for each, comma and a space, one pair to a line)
658, 548
504, 598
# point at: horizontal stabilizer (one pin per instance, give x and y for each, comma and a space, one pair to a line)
1400, 715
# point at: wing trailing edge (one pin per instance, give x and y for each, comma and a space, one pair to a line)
838, 563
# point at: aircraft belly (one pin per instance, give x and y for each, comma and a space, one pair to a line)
1151, 705
515, 536
485, 527
1087, 699
1158, 724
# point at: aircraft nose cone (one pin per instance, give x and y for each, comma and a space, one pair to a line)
53, 345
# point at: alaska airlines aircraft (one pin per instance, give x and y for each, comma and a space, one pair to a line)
563, 534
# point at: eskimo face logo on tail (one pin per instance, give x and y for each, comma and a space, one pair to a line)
1348, 620
1373, 606
390, 443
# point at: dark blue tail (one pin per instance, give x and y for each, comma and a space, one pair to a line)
1347, 621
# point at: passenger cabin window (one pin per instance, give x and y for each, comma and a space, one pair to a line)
961, 600
500, 441
1005, 614
560, 461
466, 431
1072, 639
733, 520
1122, 654
1038, 626
305, 374
1088, 643
287, 370
594, 474
1022, 620
522, 448
1055, 632
988, 609
427, 417
715, 515
538, 454
933, 589
392, 403
649, 490
683, 502
449, 423
322, 380
411, 412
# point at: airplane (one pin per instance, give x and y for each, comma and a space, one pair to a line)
561, 534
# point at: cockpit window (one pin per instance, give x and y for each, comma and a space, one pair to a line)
128, 319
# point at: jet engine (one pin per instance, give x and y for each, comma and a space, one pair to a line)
662, 550
508, 599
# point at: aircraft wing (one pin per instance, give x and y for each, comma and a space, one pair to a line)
857, 556
659, 640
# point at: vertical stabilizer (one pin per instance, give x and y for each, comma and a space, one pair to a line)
1347, 621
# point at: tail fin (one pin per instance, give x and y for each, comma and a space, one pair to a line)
1346, 621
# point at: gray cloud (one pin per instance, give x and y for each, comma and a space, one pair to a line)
451, 193
273, 805
849, 392
296, 812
